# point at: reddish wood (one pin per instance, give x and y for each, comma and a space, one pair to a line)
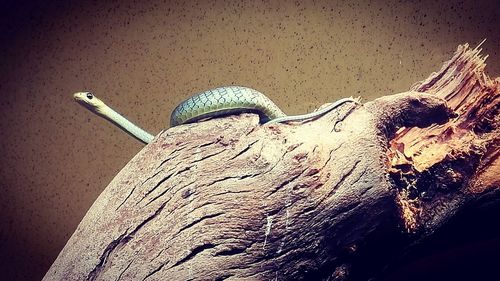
459, 158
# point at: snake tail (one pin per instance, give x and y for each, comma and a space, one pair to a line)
314, 114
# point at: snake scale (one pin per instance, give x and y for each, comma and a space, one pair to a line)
212, 103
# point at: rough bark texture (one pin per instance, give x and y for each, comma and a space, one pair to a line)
328, 199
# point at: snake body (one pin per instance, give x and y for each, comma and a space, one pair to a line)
223, 101
212, 103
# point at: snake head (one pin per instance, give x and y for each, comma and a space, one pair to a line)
91, 102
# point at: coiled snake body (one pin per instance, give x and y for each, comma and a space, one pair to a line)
212, 103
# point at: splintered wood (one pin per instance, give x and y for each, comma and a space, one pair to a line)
461, 154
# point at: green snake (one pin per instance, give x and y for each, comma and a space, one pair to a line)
212, 103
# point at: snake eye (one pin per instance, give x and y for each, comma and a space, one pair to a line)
90, 96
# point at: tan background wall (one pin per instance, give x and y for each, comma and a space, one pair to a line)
145, 58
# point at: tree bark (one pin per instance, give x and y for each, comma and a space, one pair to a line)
334, 198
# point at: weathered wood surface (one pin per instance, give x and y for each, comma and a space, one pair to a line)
229, 199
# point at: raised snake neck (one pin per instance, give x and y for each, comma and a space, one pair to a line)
127, 126
214, 103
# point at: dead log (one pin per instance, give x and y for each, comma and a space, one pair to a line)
328, 199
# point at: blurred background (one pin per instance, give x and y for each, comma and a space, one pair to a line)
144, 57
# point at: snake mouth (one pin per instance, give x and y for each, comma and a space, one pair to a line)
81, 98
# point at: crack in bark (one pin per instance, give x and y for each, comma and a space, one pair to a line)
208, 156
196, 221
287, 181
358, 179
167, 190
159, 253
251, 131
166, 160
232, 177
171, 171
122, 239
244, 150
170, 157
344, 177
330, 155
123, 271
275, 164
194, 252
137, 185
104, 257
231, 192
126, 198
347, 208
156, 213
155, 187
155, 270
231, 251
260, 153
335, 187
224, 277
203, 205
162, 181
208, 143
151, 177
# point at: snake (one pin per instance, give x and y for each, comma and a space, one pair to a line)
213, 103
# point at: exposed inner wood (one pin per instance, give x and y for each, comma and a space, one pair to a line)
460, 156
